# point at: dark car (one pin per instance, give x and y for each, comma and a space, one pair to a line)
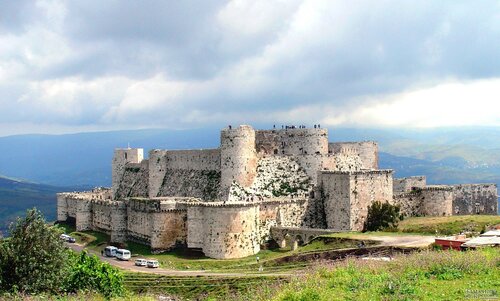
71, 240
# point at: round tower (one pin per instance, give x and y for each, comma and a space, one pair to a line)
238, 157
304, 141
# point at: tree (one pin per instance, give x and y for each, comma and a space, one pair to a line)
33, 259
382, 216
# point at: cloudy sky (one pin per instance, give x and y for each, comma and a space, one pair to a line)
68, 66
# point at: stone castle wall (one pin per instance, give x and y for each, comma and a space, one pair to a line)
437, 201
120, 159
229, 231
336, 194
292, 141
426, 201
366, 150
180, 172
475, 199
403, 185
134, 181
347, 196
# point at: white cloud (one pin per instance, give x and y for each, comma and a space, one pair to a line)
90, 64
457, 103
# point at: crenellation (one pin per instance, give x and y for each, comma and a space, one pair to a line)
227, 201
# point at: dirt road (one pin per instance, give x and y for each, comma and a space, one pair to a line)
414, 241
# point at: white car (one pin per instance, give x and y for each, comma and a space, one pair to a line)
153, 263
141, 262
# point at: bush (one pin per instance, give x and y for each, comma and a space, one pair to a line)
91, 274
382, 216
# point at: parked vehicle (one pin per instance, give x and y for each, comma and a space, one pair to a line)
110, 251
153, 263
141, 262
64, 237
123, 254
71, 240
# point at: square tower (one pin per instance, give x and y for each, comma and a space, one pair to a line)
121, 158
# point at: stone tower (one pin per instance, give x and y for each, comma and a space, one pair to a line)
121, 157
238, 157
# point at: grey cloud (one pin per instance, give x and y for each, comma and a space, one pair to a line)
349, 49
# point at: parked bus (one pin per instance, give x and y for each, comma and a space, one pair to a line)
123, 254
110, 251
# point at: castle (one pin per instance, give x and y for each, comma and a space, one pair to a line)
226, 201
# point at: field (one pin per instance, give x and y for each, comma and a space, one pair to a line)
427, 275
448, 225
424, 275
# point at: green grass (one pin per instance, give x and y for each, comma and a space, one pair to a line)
200, 288
449, 224
428, 275
180, 259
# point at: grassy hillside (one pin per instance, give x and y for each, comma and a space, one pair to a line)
421, 276
17, 196
449, 224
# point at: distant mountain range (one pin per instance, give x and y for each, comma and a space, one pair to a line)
17, 196
83, 160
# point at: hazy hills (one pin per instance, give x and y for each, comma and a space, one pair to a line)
447, 156
456, 154
16, 196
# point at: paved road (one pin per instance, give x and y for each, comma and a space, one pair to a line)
389, 240
130, 266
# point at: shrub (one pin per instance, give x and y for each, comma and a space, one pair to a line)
382, 216
91, 274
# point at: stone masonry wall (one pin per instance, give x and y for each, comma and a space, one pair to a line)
347, 196
475, 199
366, 150
204, 184
224, 232
177, 172
410, 203
157, 170
158, 222
336, 193
366, 188
292, 141
169, 229
437, 201
238, 158
120, 159
134, 181
403, 185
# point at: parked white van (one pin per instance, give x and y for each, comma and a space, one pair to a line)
123, 254
110, 251
153, 263
141, 262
